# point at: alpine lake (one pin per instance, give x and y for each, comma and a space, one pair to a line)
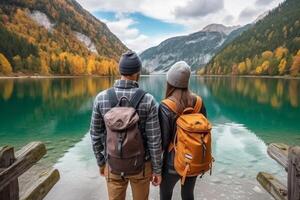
247, 114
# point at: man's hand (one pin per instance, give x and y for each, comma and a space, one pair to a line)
156, 179
101, 170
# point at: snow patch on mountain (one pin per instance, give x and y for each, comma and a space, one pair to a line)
42, 19
220, 28
87, 41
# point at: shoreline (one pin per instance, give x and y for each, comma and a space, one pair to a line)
251, 76
98, 76
53, 76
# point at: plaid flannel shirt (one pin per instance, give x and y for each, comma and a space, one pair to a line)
148, 113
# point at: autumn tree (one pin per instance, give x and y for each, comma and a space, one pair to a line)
280, 52
91, 65
5, 66
282, 66
242, 67
44, 68
267, 55
296, 65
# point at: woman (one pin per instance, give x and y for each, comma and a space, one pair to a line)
177, 90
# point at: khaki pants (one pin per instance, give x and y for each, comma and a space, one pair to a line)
140, 184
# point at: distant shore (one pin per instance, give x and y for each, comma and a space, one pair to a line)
253, 76
48, 76
97, 76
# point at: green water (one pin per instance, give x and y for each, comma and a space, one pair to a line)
247, 114
57, 111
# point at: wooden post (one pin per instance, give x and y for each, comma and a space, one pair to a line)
12, 167
42, 186
7, 158
294, 173
279, 152
26, 158
272, 185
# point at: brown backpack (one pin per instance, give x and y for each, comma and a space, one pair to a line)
124, 141
192, 141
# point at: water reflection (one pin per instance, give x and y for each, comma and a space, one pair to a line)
273, 92
268, 107
57, 111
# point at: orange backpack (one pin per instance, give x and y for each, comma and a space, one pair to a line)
192, 141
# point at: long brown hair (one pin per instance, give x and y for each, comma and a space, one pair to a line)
182, 96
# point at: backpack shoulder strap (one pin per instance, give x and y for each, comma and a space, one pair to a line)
170, 104
112, 96
137, 97
198, 105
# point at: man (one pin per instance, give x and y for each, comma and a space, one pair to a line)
129, 67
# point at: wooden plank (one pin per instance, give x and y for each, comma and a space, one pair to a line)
272, 185
7, 158
41, 188
26, 158
279, 152
294, 173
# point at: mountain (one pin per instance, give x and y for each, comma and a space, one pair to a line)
220, 28
196, 49
56, 37
270, 47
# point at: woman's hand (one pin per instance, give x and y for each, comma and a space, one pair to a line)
156, 179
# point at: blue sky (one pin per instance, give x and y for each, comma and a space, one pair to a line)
141, 24
149, 26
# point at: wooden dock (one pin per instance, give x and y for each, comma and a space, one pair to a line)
289, 159
14, 165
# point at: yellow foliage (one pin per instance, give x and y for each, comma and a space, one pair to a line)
91, 66
295, 66
44, 64
242, 67
5, 66
201, 71
265, 65
267, 55
258, 70
282, 66
280, 52
59, 47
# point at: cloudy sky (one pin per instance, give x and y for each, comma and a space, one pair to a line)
141, 24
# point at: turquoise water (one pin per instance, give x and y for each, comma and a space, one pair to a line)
247, 114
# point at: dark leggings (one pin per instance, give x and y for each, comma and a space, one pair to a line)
168, 183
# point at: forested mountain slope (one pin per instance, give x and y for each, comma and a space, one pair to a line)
55, 37
270, 47
196, 49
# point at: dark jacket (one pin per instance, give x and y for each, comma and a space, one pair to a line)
167, 119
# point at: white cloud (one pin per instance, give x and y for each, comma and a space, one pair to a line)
199, 8
132, 37
192, 14
249, 14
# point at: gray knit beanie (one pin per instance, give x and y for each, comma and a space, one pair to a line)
179, 75
130, 63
